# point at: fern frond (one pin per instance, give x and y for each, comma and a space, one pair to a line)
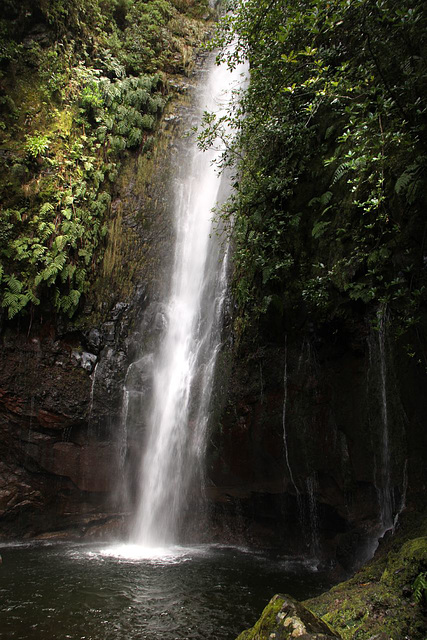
135, 137
319, 228
13, 283
155, 104
147, 121
59, 261
69, 303
60, 242
47, 207
341, 171
122, 127
403, 182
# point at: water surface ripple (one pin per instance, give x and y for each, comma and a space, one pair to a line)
87, 592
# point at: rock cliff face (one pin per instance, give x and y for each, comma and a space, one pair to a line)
56, 436
317, 434
320, 443
61, 383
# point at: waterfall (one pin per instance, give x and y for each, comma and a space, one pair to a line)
183, 367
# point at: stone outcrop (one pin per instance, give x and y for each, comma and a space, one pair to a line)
285, 618
53, 462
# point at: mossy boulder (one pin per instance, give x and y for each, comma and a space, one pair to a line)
285, 618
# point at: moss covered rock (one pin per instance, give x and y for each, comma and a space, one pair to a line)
285, 618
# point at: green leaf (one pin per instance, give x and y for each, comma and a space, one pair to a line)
319, 228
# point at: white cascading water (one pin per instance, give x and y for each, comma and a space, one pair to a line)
184, 365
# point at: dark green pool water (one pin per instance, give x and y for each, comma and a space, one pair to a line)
50, 592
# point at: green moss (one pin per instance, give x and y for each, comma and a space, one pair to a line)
132, 253
380, 597
404, 566
286, 618
262, 629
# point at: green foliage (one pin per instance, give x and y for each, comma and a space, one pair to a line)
420, 587
91, 97
329, 147
37, 146
147, 41
78, 93
123, 109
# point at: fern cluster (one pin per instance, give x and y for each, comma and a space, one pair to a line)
75, 103
55, 241
128, 111
420, 587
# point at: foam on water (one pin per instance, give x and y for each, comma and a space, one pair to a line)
157, 555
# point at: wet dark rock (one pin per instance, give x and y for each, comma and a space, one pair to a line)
109, 331
94, 340
154, 319
84, 359
105, 529
139, 374
88, 361
160, 321
179, 86
313, 464
49, 458
171, 118
111, 369
88, 467
118, 310
17, 490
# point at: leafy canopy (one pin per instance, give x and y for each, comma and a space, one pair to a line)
330, 149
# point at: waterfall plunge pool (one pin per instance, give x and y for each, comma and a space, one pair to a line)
124, 592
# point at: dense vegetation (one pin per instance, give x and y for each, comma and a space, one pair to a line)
329, 212
330, 147
82, 82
